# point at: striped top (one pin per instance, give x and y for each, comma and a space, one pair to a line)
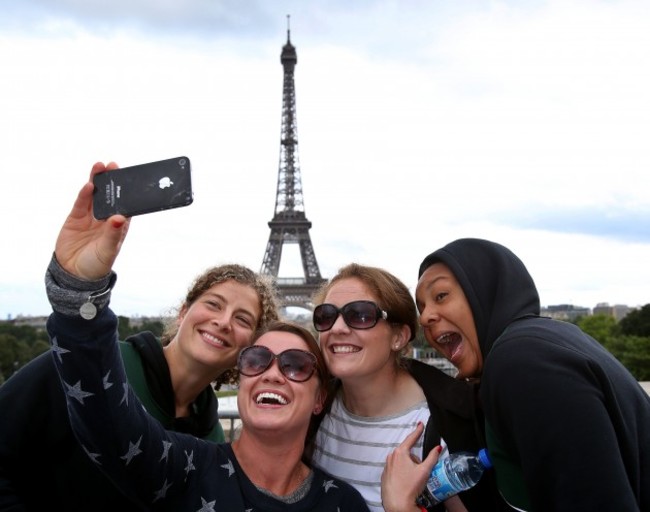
354, 448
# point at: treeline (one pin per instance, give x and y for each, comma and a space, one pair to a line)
628, 340
19, 344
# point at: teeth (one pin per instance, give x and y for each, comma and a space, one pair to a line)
213, 339
445, 338
270, 397
346, 349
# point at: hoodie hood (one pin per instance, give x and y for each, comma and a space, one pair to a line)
497, 284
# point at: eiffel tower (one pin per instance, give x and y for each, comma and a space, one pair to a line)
289, 224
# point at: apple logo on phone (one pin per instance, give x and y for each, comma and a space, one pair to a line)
165, 182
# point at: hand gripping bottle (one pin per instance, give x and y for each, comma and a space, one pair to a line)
453, 474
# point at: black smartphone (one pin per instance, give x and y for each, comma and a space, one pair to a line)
143, 188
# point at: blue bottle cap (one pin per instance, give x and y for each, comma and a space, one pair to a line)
484, 458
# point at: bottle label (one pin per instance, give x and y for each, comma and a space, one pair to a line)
440, 486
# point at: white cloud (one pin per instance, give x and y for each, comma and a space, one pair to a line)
416, 127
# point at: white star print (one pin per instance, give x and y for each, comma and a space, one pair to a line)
107, 383
190, 465
229, 467
206, 506
58, 350
329, 484
162, 492
134, 449
92, 456
125, 397
76, 392
165, 454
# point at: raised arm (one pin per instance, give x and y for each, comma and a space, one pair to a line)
87, 248
129, 446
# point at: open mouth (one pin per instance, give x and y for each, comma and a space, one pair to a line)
449, 344
268, 398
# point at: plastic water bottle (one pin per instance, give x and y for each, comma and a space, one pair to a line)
453, 474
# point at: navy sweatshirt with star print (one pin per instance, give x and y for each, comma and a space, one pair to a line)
163, 470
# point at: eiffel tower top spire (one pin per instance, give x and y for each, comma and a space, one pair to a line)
289, 224
289, 197
289, 29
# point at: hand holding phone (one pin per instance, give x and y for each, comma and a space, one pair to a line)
144, 188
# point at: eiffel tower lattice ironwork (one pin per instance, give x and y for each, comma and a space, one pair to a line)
289, 224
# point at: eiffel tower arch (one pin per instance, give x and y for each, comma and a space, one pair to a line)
289, 224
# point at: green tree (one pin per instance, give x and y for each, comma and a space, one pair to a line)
637, 322
634, 353
14, 353
155, 326
126, 329
19, 344
39, 347
27, 333
632, 350
601, 327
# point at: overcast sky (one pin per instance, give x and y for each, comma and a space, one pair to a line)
419, 122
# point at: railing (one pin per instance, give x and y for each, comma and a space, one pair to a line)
232, 422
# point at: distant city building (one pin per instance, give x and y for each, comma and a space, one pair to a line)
37, 322
566, 312
139, 321
618, 311
40, 322
569, 312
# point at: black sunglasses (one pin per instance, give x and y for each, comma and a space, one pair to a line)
360, 314
295, 364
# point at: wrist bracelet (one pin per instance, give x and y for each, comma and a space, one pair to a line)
88, 310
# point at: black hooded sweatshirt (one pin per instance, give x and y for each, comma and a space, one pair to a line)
43, 467
568, 427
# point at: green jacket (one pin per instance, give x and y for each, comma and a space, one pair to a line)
148, 373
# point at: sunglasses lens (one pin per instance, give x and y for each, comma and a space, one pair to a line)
360, 314
254, 360
297, 365
324, 317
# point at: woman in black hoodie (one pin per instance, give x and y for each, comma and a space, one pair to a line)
568, 427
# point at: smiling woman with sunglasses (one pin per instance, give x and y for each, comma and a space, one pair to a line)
282, 387
366, 317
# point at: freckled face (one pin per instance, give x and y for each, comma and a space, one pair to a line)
218, 324
447, 320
